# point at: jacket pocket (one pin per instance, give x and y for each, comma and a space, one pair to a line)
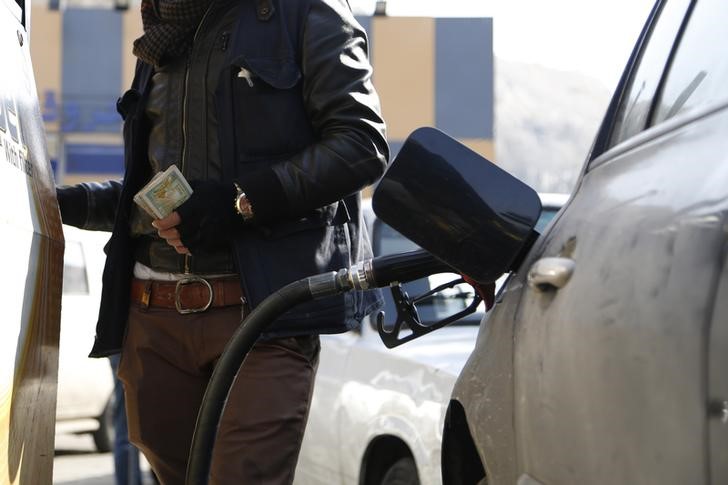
293, 251
331, 215
269, 112
277, 73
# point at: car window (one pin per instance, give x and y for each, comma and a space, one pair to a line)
547, 214
698, 77
75, 279
634, 111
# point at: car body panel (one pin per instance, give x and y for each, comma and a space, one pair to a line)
616, 376
647, 352
717, 382
364, 391
485, 385
485, 388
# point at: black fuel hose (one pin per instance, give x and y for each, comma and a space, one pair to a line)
372, 273
213, 402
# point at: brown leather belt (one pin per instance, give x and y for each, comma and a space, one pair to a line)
189, 295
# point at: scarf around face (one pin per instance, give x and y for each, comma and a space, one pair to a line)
168, 28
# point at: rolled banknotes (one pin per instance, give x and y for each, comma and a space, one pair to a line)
164, 193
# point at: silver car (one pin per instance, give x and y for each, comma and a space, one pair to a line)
604, 359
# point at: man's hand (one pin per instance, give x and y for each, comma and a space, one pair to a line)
167, 230
206, 221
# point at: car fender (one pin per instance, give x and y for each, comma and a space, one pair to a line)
389, 413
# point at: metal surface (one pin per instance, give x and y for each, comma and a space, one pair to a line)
613, 363
365, 392
188, 280
717, 381
550, 273
619, 377
485, 388
360, 275
527, 480
32, 243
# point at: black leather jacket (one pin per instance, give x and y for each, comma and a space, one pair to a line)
303, 139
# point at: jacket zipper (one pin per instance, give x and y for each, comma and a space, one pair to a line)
225, 40
184, 112
186, 89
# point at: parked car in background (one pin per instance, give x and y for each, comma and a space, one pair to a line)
85, 386
604, 358
377, 413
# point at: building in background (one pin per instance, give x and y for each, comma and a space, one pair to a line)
428, 71
83, 62
435, 72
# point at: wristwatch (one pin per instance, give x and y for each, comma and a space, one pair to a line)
242, 204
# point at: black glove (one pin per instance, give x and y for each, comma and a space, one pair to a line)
73, 202
209, 219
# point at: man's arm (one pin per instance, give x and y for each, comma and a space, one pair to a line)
89, 206
344, 111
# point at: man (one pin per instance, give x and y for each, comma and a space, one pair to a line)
267, 108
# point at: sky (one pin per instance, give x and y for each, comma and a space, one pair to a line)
593, 37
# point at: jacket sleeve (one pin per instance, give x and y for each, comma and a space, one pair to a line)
90, 206
351, 150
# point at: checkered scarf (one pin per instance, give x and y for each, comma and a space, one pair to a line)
168, 29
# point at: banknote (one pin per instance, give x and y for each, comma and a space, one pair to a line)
164, 193
141, 203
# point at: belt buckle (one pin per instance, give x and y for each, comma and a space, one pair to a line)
188, 280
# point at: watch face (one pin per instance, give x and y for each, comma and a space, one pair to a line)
242, 205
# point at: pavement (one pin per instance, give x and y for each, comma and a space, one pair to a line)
76, 462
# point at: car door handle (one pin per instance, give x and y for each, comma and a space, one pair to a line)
550, 273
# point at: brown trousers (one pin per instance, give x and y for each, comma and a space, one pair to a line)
165, 365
